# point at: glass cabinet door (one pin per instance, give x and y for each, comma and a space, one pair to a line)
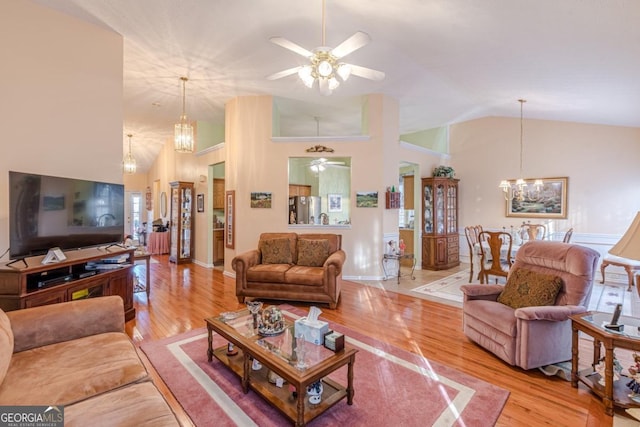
440, 209
452, 209
428, 209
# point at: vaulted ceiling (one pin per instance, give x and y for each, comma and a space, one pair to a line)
445, 60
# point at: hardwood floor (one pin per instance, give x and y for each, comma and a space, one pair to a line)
182, 296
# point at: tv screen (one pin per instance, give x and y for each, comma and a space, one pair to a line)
49, 211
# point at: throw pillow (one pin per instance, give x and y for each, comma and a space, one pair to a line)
527, 288
312, 253
276, 251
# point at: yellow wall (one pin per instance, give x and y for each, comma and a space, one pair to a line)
61, 98
600, 161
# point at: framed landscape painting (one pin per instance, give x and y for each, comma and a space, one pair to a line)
547, 201
367, 199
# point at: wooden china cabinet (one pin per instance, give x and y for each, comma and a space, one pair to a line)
181, 222
440, 240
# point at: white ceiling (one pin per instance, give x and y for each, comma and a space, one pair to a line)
445, 60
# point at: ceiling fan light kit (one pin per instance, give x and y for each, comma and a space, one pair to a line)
324, 66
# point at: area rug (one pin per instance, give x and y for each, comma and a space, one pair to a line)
604, 297
392, 387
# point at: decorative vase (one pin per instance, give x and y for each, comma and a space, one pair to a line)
314, 391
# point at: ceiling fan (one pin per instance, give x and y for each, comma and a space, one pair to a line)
325, 65
318, 165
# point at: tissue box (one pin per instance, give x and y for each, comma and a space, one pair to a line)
313, 331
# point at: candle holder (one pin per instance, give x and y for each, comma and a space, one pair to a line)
254, 308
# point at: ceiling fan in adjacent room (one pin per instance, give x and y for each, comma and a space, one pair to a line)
325, 65
320, 164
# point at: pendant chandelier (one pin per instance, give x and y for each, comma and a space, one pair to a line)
183, 134
520, 189
129, 163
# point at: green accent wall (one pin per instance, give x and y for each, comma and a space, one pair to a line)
436, 139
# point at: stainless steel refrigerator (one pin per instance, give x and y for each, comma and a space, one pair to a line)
304, 210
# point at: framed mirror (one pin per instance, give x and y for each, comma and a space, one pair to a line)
319, 191
163, 204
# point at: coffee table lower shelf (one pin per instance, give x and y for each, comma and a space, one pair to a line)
281, 397
620, 391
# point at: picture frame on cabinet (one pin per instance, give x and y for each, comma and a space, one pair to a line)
200, 202
548, 201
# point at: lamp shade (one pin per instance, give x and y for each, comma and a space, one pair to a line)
629, 244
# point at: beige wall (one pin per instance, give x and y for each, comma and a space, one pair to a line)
57, 119
600, 161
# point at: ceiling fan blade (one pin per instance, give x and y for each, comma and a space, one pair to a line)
351, 44
323, 85
287, 44
283, 73
367, 73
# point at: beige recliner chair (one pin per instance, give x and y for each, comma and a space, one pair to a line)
535, 335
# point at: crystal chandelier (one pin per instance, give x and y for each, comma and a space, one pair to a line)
520, 189
183, 134
129, 163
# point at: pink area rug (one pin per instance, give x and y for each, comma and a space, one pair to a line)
392, 387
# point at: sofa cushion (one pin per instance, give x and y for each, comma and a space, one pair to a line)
71, 371
269, 273
6, 344
301, 275
135, 405
312, 252
276, 251
527, 288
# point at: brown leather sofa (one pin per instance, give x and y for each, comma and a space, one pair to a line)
77, 355
292, 267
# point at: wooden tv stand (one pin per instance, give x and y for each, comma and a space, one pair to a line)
34, 284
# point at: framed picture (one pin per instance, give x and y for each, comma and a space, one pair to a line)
367, 199
261, 200
548, 200
335, 203
229, 208
200, 202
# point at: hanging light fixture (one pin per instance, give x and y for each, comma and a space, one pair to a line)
183, 134
129, 163
521, 187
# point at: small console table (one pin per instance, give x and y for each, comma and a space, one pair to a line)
397, 258
629, 265
613, 393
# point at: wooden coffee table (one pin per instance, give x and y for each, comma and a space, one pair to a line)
275, 354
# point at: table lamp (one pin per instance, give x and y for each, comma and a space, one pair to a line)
629, 245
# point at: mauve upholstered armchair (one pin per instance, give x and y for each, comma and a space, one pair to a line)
534, 336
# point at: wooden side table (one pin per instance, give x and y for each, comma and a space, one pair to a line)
397, 258
147, 257
612, 393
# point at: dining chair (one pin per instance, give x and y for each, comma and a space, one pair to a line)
472, 233
534, 231
495, 255
567, 236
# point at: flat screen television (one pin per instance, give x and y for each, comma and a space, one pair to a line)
48, 211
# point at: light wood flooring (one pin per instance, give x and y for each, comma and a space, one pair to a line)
182, 296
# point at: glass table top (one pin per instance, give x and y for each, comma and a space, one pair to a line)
631, 327
282, 345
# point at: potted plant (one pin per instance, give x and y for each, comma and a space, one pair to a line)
444, 171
